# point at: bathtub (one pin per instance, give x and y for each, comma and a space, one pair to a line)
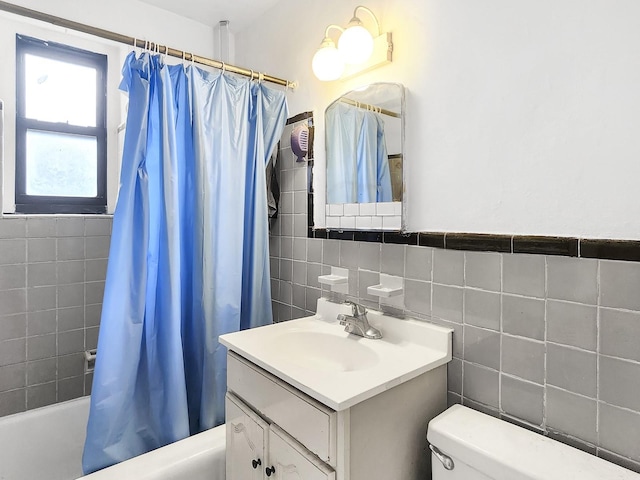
46, 444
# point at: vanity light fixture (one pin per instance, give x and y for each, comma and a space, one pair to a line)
358, 50
356, 42
327, 63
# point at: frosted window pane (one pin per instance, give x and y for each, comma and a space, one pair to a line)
61, 165
60, 92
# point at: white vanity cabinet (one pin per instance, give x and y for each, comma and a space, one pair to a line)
295, 437
290, 461
247, 438
257, 450
257, 447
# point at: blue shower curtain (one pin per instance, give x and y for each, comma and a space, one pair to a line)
188, 259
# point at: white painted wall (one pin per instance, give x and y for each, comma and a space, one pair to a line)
128, 17
523, 116
134, 18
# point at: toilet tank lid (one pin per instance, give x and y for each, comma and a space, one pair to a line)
501, 450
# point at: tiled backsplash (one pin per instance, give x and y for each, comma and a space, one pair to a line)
364, 216
52, 272
548, 342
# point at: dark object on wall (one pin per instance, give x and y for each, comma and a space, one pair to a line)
300, 141
273, 188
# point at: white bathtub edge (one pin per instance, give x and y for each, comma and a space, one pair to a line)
204, 452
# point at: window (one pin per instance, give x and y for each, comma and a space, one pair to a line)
61, 135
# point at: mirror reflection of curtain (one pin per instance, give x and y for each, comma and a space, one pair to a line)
341, 125
374, 180
357, 161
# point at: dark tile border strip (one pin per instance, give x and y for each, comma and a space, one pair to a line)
605, 249
610, 249
367, 236
431, 239
299, 117
400, 238
341, 234
478, 242
319, 233
565, 246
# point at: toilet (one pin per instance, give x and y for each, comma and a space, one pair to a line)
469, 445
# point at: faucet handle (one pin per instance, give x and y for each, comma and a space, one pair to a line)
357, 310
360, 310
348, 327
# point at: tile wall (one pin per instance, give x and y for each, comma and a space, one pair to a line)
547, 342
52, 272
364, 216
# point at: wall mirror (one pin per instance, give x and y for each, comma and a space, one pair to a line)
364, 145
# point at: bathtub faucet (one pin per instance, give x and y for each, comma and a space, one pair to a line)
357, 323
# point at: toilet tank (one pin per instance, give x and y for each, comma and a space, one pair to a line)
486, 448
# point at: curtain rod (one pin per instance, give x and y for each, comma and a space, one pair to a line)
366, 106
116, 37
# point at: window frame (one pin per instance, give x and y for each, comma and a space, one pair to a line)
24, 202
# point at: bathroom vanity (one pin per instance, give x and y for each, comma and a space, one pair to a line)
306, 400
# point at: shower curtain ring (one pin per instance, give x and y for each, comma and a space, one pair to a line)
224, 67
260, 77
251, 79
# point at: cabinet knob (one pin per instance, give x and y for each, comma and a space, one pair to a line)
256, 463
270, 470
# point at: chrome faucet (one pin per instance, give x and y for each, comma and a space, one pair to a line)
357, 322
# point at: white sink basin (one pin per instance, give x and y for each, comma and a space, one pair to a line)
328, 352
316, 355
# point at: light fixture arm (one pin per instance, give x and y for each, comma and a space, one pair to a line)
337, 27
357, 20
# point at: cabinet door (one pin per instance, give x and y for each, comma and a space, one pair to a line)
290, 461
246, 442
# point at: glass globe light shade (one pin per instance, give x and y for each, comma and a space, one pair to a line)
356, 43
327, 64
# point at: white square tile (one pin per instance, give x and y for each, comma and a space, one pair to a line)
363, 223
351, 209
397, 208
368, 209
391, 223
385, 209
333, 222
327, 210
348, 222
336, 210
285, 140
376, 223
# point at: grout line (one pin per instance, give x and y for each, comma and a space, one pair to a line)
626, 409
546, 337
501, 327
598, 355
525, 380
